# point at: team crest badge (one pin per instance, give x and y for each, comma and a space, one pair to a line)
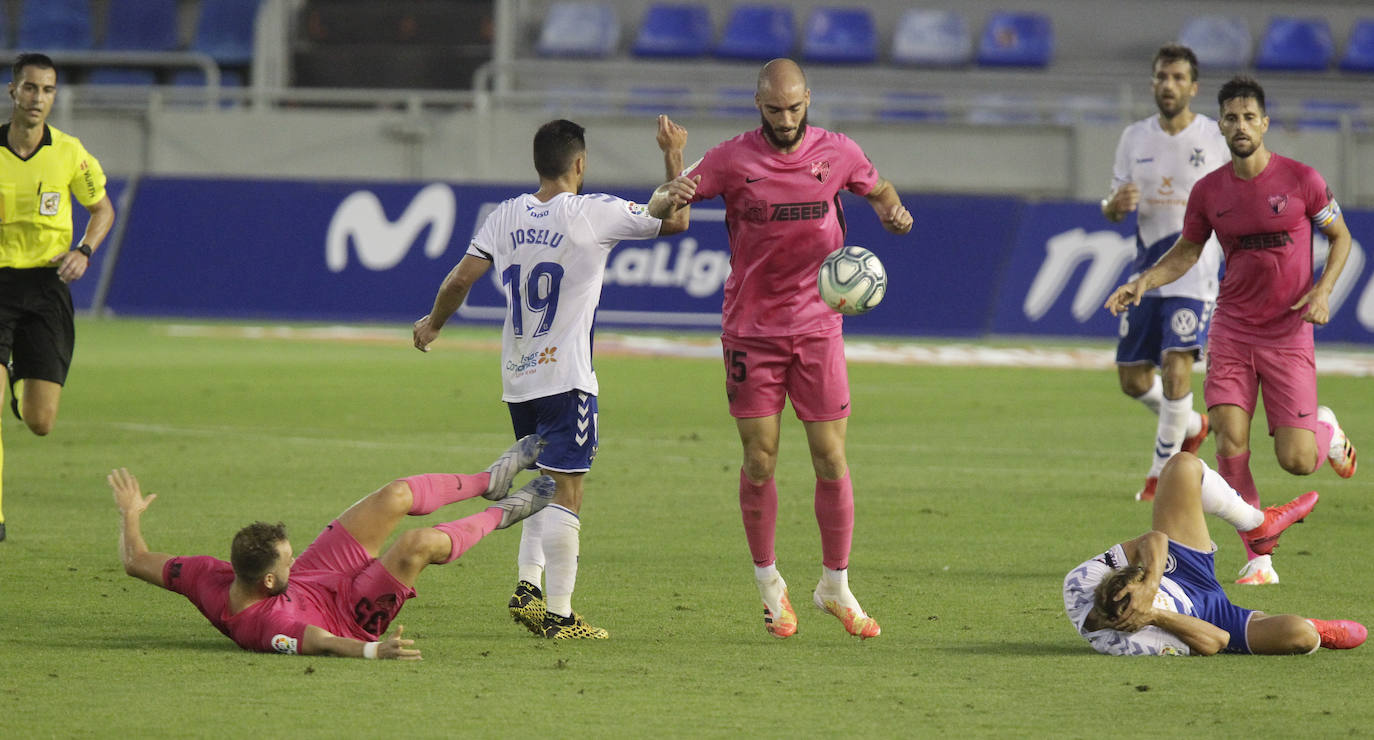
49, 204
1277, 203
1198, 158
820, 170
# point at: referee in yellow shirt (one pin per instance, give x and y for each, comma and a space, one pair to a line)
42, 170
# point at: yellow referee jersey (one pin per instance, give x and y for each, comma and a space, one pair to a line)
36, 197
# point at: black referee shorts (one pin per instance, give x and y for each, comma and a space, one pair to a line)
36, 328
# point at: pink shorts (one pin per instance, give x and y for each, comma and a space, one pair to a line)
1237, 370
366, 595
761, 373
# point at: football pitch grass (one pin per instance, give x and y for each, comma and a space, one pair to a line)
977, 489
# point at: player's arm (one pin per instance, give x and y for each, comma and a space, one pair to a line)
319, 641
452, 292
133, 551
72, 264
1315, 303
1180, 257
674, 211
888, 205
1202, 637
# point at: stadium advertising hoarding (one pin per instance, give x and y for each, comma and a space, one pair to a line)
355, 251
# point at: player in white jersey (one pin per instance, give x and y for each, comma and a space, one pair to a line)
549, 249
1158, 594
1157, 161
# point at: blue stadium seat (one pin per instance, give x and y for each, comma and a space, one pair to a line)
840, 36
141, 25
735, 101
1220, 42
1016, 40
674, 31
757, 32
938, 38
1359, 49
121, 76
1002, 109
224, 30
55, 25
578, 29
653, 100
6, 40
1296, 44
1326, 114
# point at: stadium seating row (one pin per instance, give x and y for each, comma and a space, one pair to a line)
223, 30
927, 37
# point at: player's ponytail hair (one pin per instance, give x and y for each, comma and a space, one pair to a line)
254, 551
1103, 603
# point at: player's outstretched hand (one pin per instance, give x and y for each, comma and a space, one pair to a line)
424, 333
671, 136
897, 219
126, 492
1318, 309
394, 648
1124, 297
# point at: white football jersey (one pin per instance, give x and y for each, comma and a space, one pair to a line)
550, 259
1165, 167
1079, 585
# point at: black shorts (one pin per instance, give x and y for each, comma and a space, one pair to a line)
36, 328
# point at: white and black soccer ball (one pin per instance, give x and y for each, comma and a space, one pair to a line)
852, 280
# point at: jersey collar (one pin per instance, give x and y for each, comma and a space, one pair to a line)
46, 141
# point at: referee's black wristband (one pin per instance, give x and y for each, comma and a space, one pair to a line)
85, 249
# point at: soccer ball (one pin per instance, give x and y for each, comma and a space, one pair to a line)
852, 280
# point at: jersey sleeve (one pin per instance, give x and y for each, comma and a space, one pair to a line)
183, 575
615, 219
862, 176
483, 243
1197, 227
1321, 203
88, 178
708, 168
1148, 641
1121, 166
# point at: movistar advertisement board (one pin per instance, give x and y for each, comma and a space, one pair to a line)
377, 252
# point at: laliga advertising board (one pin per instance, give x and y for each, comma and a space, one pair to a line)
370, 251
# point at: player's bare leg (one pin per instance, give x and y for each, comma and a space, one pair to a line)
758, 503
834, 504
38, 403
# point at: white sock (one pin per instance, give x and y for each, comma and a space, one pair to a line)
560, 537
1194, 423
531, 557
1152, 398
1173, 424
835, 584
1220, 499
766, 573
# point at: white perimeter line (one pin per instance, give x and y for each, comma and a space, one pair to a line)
962, 354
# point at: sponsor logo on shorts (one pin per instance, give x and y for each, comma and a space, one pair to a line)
284, 644
1170, 564
1184, 324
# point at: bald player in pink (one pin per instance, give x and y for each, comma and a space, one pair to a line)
781, 185
1263, 209
343, 592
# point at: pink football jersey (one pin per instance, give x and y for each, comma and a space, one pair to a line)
1265, 228
783, 215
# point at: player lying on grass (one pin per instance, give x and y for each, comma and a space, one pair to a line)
1158, 593
340, 596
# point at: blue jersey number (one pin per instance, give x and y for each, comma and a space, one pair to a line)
538, 294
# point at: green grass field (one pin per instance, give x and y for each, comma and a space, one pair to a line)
977, 489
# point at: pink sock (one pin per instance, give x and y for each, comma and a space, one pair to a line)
835, 515
430, 491
758, 504
469, 530
1236, 471
1324, 434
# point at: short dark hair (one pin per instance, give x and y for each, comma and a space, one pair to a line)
1241, 86
254, 551
30, 59
1170, 53
1103, 597
556, 145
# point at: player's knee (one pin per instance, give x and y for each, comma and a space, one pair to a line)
830, 467
760, 463
40, 424
1183, 463
395, 496
1297, 461
418, 547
